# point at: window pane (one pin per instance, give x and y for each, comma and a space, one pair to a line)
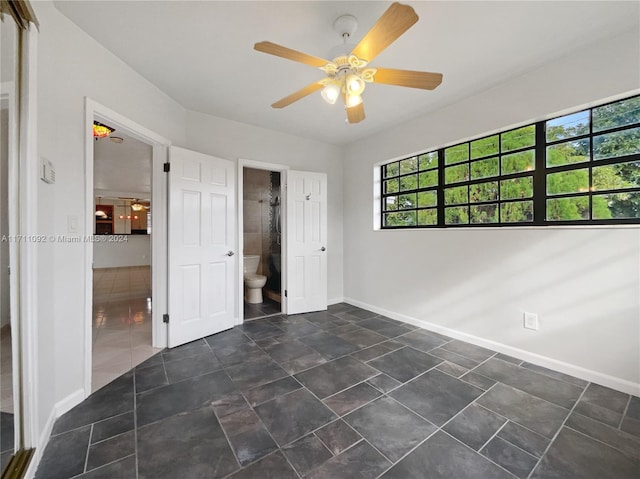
520, 138
428, 178
616, 177
409, 165
483, 192
391, 169
391, 203
408, 182
518, 162
516, 188
516, 212
568, 126
456, 216
574, 208
568, 153
456, 174
573, 181
391, 186
428, 160
621, 113
427, 198
456, 196
427, 217
484, 213
484, 146
622, 205
406, 218
613, 145
406, 202
484, 168
456, 154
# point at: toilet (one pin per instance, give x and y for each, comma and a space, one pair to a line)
253, 283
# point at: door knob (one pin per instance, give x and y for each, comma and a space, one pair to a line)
323, 249
230, 253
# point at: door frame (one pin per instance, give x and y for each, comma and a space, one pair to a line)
159, 243
282, 169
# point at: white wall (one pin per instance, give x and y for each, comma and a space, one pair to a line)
583, 282
232, 140
135, 251
71, 65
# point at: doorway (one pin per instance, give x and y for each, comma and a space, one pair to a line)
122, 299
262, 242
126, 276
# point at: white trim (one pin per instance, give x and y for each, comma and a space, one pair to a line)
43, 440
67, 404
333, 301
618, 384
260, 165
11, 183
27, 257
58, 410
159, 252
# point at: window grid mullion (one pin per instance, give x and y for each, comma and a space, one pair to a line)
539, 175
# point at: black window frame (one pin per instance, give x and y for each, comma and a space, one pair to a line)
539, 175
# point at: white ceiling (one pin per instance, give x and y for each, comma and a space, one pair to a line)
201, 53
122, 169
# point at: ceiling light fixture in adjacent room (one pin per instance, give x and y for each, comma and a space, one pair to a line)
101, 131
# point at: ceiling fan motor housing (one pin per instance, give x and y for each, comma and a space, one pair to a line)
345, 25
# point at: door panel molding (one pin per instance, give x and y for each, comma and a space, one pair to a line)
201, 234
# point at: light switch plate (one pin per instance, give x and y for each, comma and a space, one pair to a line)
531, 321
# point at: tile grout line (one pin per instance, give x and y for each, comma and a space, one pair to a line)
582, 433
624, 413
86, 458
441, 429
544, 453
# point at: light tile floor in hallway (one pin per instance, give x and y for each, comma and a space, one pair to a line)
339, 395
121, 321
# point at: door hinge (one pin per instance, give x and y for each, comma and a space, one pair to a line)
167, 167
285, 293
165, 318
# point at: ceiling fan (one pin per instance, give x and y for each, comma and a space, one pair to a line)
348, 72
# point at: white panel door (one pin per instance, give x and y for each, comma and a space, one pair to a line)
306, 242
201, 241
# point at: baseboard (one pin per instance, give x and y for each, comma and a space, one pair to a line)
43, 440
612, 382
68, 403
335, 301
58, 410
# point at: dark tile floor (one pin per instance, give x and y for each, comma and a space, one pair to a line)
6, 438
268, 307
344, 394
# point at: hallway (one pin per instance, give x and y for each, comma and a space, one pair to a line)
121, 321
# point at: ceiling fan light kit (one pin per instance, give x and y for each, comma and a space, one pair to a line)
347, 74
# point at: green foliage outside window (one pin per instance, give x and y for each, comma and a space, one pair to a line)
590, 163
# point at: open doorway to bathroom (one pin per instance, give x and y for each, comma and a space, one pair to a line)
262, 240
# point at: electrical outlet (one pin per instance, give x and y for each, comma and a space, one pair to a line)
531, 321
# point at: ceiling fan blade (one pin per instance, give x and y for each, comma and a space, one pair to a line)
409, 78
288, 100
394, 22
355, 114
289, 54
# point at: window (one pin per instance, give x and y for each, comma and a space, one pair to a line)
592, 166
581, 168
